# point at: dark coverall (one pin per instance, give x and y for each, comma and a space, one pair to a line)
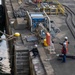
35, 52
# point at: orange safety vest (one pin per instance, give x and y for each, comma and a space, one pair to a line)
66, 48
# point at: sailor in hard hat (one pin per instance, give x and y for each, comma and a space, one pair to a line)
35, 50
64, 48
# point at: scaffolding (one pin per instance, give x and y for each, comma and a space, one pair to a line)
52, 7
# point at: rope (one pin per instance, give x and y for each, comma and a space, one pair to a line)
9, 37
3, 33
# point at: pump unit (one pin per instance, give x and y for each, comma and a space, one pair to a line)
34, 18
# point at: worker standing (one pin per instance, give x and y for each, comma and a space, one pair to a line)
64, 48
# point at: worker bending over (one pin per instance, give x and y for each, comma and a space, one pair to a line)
35, 51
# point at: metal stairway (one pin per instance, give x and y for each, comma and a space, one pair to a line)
21, 60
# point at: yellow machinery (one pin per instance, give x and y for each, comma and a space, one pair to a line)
52, 7
49, 9
45, 8
61, 8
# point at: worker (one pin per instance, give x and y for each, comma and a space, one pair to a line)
1, 58
64, 48
35, 50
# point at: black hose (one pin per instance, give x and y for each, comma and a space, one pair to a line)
69, 21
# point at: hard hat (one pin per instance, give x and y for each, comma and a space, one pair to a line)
35, 45
66, 38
